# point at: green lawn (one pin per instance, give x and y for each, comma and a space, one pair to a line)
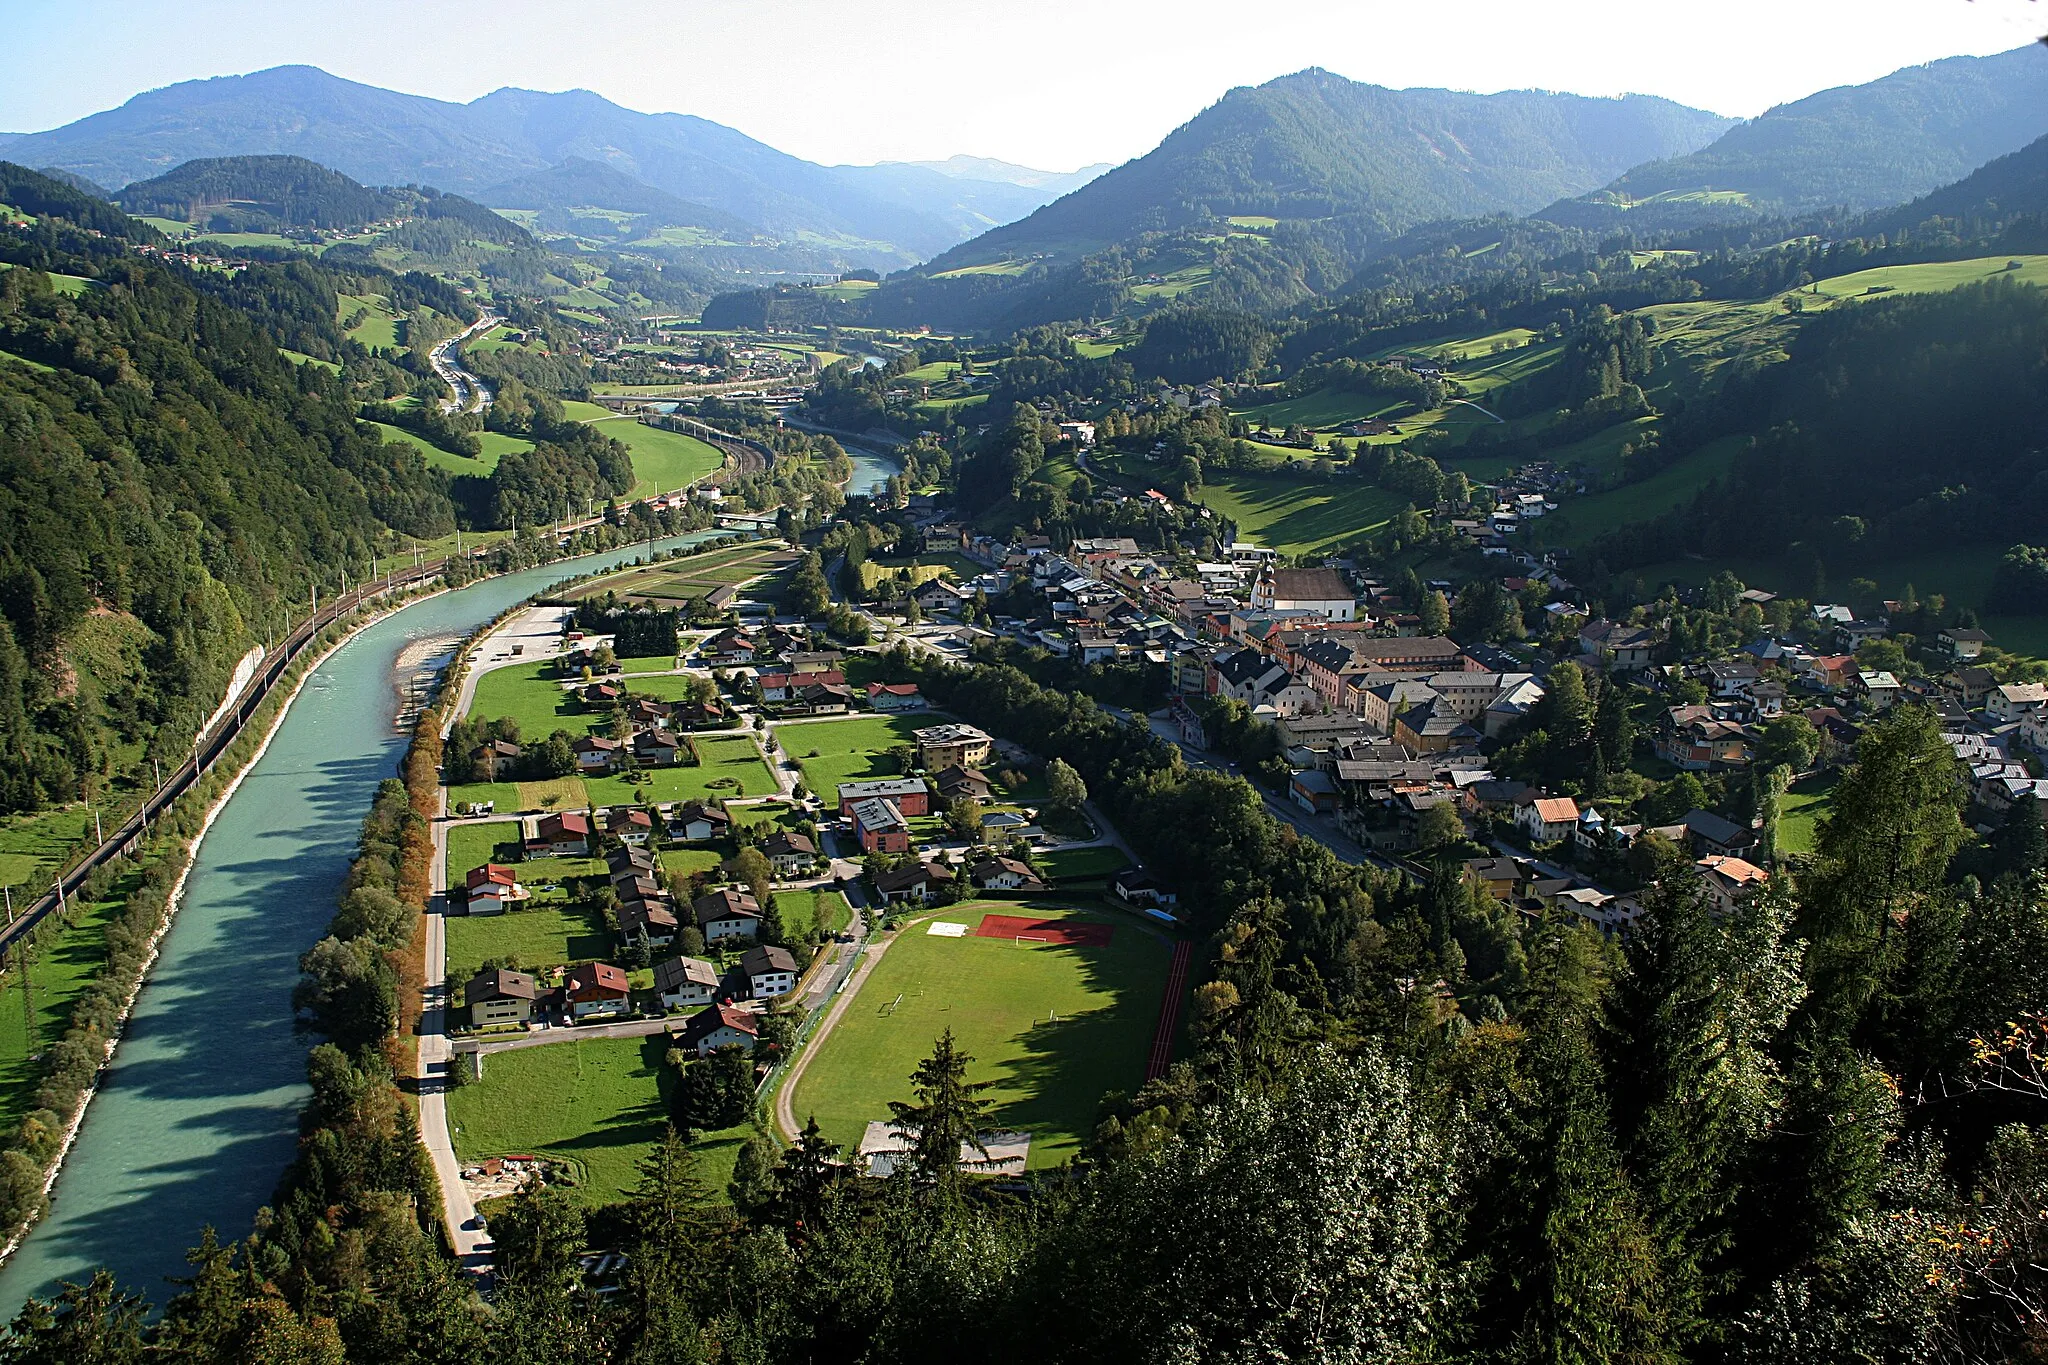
1579, 520
32, 847
505, 795
1298, 516
62, 966
1805, 803
595, 1103
1082, 864
543, 936
1933, 277
494, 444
999, 998
798, 913
663, 461
735, 758
650, 663
848, 750
537, 702
472, 846
379, 329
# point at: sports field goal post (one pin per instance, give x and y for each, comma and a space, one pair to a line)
890, 1008
1023, 939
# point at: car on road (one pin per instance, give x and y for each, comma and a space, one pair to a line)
475, 1223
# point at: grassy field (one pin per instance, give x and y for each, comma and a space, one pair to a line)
1297, 516
1932, 277
595, 1103
663, 461
543, 936
495, 444
379, 329
798, 911
1083, 864
1805, 804
474, 845
61, 968
735, 762
1580, 520
536, 701
1000, 999
32, 847
848, 750
674, 581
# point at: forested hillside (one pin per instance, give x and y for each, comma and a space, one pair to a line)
1313, 145
173, 484
1861, 146
273, 191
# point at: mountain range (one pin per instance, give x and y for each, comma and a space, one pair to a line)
1314, 145
887, 215
1858, 147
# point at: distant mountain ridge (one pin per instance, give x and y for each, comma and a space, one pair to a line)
1053, 183
580, 182
381, 136
1861, 147
1314, 144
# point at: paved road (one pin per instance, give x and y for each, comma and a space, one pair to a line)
470, 393
472, 1246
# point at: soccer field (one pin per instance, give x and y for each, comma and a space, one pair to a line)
1053, 1027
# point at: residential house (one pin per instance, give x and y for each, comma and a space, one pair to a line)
957, 784
1243, 674
879, 826
597, 990
685, 982
1729, 879
1964, 642
2016, 701
1135, 886
1832, 671
781, 686
695, 822
1322, 591
499, 997
630, 825
727, 913
1511, 706
1971, 685
491, 889
1498, 875
997, 825
910, 794
1314, 790
717, 1026
945, 746
940, 597
821, 699
565, 835
500, 758
1692, 738
657, 749
895, 697
789, 853
651, 922
1879, 690
770, 971
1619, 647
1004, 874
1708, 834
918, 882
1548, 818
1434, 728
596, 754
1387, 700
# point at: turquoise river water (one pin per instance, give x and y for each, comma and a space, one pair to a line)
198, 1115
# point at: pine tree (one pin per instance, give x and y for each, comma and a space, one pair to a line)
947, 1115
1575, 1271
1703, 998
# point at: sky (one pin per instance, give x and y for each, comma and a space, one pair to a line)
1053, 84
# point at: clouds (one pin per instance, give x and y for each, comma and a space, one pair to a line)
1051, 83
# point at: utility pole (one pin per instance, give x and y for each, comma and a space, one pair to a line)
97, 836
28, 995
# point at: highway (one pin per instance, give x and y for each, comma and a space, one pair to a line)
470, 393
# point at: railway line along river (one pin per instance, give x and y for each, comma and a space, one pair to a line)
197, 1117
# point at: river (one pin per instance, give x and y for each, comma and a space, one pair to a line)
198, 1115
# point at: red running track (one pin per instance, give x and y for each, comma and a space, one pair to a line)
1169, 1011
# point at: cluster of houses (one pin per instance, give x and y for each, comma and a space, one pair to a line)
649, 917
878, 812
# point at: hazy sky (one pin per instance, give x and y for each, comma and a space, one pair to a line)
1050, 83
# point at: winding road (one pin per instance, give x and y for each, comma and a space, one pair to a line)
470, 393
